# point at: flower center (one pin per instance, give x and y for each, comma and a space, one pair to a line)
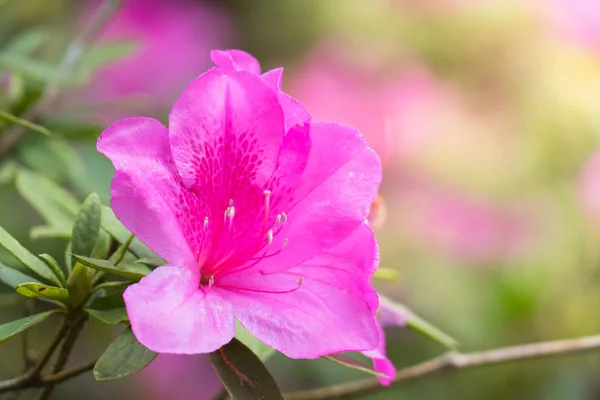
229, 258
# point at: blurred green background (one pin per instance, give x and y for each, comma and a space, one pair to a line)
486, 115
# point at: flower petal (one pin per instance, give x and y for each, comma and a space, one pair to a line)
226, 131
235, 60
380, 361
170, 314
324, 306
338, 185
146, 186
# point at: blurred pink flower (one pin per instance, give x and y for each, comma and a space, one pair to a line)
179, 377
173, 40
259, 212
578, 20
393, 112
589, 187
463, 228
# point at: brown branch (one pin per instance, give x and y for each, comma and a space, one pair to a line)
59, 377
69, 62
454, 361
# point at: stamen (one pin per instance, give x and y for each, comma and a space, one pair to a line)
205, 222
265, 291
278, 220
283, 217
270, 236
229, 214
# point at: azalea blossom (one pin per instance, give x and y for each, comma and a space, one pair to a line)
259, 212
388, 315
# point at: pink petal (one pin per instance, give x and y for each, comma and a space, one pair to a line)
273, 78
338, 185
170, 314
381, 363
322, 307
391, 314
146, 185
235, 60
226, 131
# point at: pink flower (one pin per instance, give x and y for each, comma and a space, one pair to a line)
589, 187
464, 228
172, 41
388, 315
179, 377
394, 111
578, 20
259, 212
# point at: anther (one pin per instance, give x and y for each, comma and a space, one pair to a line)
278, 220
300, 281
205, 222
270, 236
283, 217
285, 242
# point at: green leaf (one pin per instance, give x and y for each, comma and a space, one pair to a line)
119, 254
110, 309
418, 324
349, 362
244, 376
49, 232
26, 42
11, 329
29, 67
108, 267
13, 119
261, 350
57, 206
112, 288
102, 245
386, 274
22, 254
87, 226
111, 224
8, 172
36, 290
53, 157
123, 357
106, 52
13, 277
53, 265
79, 284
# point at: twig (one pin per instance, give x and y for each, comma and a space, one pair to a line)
454, 361
64, 353
23, 381
69, 62
59, 377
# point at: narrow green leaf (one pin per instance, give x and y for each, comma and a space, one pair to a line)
418, 324
13, 119
57, 206
244, 376
34, 69
349, 362
123, 357
112, 288
262, 351
102, 245
107, 52
108, 267
111, 224
22, 254
79, 284
119, 254
49, 232
53, 265
52, 156
10, 329
13, 277
110, 309
36, 290
26, 42
87, 226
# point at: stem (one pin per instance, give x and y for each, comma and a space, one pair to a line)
73, 332
60, 377
454, 361
69, 62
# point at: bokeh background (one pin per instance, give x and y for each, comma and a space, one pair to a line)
486, 115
